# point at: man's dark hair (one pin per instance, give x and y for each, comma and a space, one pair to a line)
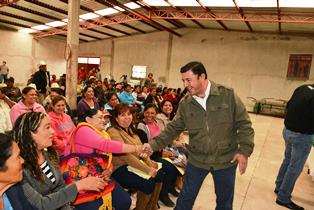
10, 79
6, 143
196, 67
126, 86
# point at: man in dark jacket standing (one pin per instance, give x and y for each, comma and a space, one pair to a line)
298, 135
42, 81
220, 137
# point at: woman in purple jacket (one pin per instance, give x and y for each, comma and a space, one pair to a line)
87, 102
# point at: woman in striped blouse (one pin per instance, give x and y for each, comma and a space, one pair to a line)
43, 184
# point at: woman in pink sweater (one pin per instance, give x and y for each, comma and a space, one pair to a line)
60, 122
90, 137
26, 104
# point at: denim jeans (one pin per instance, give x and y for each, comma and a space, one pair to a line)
224, 181
2, 80
298, 147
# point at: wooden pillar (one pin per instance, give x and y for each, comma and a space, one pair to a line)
71, 54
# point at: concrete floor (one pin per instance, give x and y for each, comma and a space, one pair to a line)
254, 189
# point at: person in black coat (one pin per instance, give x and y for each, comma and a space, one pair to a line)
41, 79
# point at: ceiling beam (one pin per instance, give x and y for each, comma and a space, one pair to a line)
134, 28
279, 17
147, 7
117, 30
104, 33
144, 17
124, 24
105, 3
240, 11
20, 17
270, 17
213, 15
93, 24
25, 9
26, 26
47, 6
179, 9
91, 10
14, 23
90, 36
83, 40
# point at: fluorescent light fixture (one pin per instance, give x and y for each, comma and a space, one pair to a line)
217, 3
132, 5
67, 20
27, 30
89, 16
256, 3
41, 27
299, 3
107, 11
82, 60
56, 24
94, 61
119, 8
156, 3
184, 3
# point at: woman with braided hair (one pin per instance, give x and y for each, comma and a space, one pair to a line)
43, 184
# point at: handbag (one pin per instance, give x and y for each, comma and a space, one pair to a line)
77, 166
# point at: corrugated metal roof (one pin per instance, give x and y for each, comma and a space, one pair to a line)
146, 19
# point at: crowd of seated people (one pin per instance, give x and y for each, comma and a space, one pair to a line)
110, 118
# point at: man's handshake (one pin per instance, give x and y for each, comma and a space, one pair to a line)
146, 151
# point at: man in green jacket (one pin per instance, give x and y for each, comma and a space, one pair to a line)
220, 137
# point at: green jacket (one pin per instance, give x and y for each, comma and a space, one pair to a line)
215, 135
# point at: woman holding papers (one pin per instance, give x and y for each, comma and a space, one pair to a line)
148, 129
146, 178
90, 137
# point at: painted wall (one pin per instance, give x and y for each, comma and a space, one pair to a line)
122, 53
23, 53
253, 64
16, 50
52, 52
102, 49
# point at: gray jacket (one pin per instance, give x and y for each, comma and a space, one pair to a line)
215, 135
46, 195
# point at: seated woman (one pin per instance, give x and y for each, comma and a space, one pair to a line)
148, 129
43, 184
113, 101
152, 97
26, 104
148, 189
61, 123
5, 107
11, 193
89, 136
165, 115
87, 102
